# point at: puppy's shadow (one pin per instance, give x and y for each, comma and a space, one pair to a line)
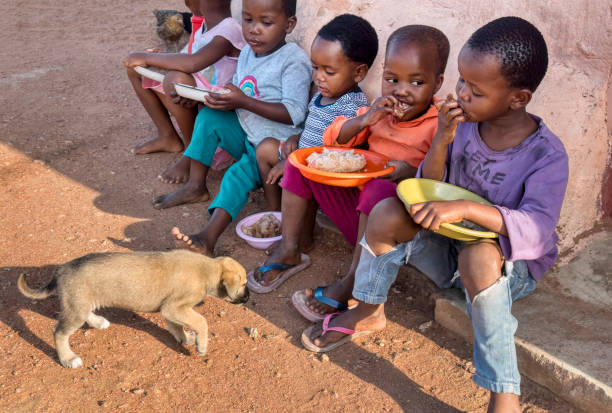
13, 304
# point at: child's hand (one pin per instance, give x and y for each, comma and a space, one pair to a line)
449, 116
381, 107
226, 101
402, 170
430, 215
136, 59
275, 173
181, 101
288, 146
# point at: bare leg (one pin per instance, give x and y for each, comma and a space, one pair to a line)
504, 403
295, 209
341, 290
204, 241
178, 172
388, 225
167, 139
194, 190
267, 158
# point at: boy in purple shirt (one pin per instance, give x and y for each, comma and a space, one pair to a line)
488, 143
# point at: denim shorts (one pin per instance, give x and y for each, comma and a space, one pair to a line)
434, 255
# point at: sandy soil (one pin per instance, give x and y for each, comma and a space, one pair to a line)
69, 186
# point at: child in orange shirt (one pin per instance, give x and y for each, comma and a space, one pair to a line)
400, 124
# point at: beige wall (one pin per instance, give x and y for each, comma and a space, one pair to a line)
572, 98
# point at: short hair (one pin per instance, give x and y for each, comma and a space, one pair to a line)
289, 7
426, 36
520, 47
356, 36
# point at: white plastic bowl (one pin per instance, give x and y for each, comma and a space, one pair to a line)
194, 93
143, 71
259, 243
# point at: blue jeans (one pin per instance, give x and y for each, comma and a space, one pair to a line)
490, 311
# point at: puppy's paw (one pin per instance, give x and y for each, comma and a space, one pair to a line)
202, 350
104, 324
72, 363
190, 338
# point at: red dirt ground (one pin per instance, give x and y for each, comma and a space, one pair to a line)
70, 187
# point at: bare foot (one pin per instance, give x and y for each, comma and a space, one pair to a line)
190, 242
185, 195
278, 256
159, 144
178, 172
355, 319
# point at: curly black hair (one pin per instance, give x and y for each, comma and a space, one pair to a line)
356, 36
519, 45
289, 7
426, 36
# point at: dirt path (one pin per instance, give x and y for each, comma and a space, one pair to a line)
69, 186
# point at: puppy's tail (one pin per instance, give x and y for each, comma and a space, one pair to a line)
39, 294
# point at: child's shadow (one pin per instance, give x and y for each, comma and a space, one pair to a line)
13, 302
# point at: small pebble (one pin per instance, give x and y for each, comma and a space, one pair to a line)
253, 333
425, 325
324, 358
137, 391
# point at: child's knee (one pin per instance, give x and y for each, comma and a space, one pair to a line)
267, 150
387, 214
479, 266
177, 77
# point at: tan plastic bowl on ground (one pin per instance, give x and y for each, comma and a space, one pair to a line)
417, 190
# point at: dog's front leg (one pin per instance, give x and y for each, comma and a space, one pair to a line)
188, 317
187, 338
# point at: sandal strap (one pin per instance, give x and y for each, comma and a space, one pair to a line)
326, 321
265, 268
318, 295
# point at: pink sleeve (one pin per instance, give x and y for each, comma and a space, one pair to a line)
231, 30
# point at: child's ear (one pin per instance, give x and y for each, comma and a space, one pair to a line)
520, 99
360, 72
439, 81
291, 22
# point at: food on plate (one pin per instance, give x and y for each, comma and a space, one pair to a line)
336, 161
267, 226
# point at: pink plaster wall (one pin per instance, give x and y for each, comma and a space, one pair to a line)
572, 99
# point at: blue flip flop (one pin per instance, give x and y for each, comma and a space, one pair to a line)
286, 272
299, 300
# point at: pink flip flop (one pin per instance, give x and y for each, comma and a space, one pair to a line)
288, 271
350, 335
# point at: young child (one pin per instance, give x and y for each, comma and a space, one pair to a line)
269, 97
213, 59
400, 125
488, 143
341, 54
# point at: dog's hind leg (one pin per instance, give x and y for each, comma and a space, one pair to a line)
97, 321
187, 338
63, 329
188, 317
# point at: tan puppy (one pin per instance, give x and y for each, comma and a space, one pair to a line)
170, 282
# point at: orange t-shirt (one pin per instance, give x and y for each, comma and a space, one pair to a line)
403, 141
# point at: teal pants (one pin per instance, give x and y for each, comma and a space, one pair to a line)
216, 128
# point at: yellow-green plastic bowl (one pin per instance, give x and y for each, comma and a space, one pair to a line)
417, 190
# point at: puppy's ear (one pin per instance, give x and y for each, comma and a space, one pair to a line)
233, 274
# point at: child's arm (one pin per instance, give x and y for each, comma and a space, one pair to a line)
236, 99
186, 63
402, 170
449, 116
430, 215
379, 109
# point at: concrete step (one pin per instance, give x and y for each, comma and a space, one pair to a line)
564, 337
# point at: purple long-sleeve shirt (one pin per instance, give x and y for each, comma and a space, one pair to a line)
525, 183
